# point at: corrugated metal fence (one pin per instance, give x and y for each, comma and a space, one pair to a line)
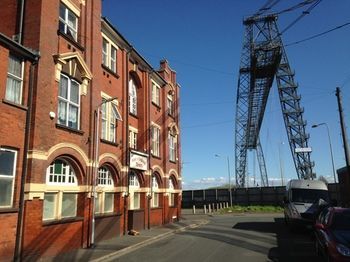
242, 196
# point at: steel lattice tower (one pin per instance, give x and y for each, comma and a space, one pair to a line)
263, 58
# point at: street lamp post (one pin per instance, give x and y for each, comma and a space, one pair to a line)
95, 173
229, 178
330, 147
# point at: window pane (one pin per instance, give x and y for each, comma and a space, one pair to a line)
7, 159
69, 205
13, 90
5, 191
62, 11
72, 20
49, 206
15, 66
63, 87
109, 203
74, 92
104, 129
136, 200
73, 117
61, 26
62, 112
58, 166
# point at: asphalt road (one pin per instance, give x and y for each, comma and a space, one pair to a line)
232, 238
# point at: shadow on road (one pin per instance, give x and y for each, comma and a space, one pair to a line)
294, 245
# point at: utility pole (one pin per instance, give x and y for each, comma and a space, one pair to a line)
343, 129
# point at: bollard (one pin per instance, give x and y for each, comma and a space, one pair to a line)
217, 207
209, 208
227, 204
220, 205
194, 209
205, 209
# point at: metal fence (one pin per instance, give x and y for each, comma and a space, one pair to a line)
242, 196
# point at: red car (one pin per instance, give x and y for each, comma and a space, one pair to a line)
332, 234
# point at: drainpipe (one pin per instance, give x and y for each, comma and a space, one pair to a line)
19, 229
149, 146
20, 22
127, 134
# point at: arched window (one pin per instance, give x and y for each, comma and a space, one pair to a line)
134, 181
132, 97
134, 191
61, 203
104, 177
104, 202
171, 193
171, 184
61, 173
155, 191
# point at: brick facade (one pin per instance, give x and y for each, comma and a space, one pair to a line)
57, 214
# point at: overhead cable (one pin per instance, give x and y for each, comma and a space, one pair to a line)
318, 35
304, 13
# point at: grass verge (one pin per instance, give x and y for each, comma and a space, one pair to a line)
252, 209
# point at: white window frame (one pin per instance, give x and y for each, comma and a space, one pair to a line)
155, 93
105, 184
133, 138
109, 55
68, 175
155, 192
16, 96
104, 177
69, 102
171, 184
68, 29
171, 105
134, 190
100, 202
132, 97
172, 147
171, 192
109, 117
6, 177
70, 182
134, 181
155, 139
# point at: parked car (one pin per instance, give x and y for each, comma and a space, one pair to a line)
303, 201
332, 234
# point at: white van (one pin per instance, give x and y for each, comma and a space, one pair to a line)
303, 200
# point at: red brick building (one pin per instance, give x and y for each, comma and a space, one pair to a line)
101, 153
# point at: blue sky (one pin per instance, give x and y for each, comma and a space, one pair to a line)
202, 41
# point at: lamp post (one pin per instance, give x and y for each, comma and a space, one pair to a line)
229, 177
330, 147
95, 173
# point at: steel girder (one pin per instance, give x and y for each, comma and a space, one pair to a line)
293, 118
263, 57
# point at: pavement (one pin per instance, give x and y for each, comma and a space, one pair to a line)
111, 249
